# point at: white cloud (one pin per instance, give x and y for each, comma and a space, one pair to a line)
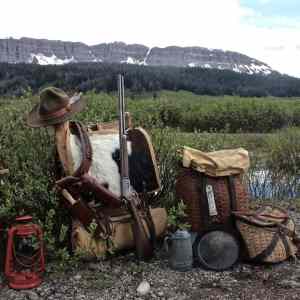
263, 2
277, 47
208, 23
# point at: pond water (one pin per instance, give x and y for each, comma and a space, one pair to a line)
263, 185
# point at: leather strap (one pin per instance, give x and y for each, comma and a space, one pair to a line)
285, 244
232, 192
203, 201
86, 148
56, 114
266, 252
280, 233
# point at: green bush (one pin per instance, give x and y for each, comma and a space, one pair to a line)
29, 187
283, 152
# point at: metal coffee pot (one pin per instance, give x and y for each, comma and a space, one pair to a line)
180, 250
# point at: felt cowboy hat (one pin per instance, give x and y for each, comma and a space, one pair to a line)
55, 107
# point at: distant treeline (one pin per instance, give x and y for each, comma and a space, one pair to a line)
17, 79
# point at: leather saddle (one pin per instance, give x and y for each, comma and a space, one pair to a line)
94, 197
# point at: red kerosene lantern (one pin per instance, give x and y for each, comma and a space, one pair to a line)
24, 263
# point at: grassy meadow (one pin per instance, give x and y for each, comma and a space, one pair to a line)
267, 127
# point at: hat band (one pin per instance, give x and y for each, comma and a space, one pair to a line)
56, 114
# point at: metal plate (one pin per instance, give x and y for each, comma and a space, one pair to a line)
216, 250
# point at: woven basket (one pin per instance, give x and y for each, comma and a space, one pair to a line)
268, 234
190, 190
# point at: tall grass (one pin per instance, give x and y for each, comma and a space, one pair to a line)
191, 112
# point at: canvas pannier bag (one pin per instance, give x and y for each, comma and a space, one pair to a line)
268, 234
211, 186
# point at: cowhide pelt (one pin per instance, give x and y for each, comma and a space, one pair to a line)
105, 163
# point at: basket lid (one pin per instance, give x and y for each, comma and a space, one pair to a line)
216, 250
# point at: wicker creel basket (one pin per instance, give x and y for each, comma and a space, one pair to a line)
229, 193
268, 234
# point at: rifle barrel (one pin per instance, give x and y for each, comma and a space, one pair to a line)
125, 182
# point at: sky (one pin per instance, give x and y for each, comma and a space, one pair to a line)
268, 30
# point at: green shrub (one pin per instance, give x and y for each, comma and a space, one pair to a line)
283, 152
29, 187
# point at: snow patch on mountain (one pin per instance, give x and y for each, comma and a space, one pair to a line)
130, 61
96, 59
261, 69
236, 69
42, 59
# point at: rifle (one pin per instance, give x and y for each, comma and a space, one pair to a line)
144, 248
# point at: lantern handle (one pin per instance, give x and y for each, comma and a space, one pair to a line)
24, 219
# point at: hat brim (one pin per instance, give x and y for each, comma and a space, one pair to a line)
34, 119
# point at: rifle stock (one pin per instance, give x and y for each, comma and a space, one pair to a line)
144, 248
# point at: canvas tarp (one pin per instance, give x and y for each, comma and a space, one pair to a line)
217, 163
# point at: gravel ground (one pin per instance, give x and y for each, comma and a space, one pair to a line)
119, 278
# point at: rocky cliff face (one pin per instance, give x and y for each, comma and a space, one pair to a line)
42, 51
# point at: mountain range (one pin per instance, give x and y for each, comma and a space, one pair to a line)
52, 52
